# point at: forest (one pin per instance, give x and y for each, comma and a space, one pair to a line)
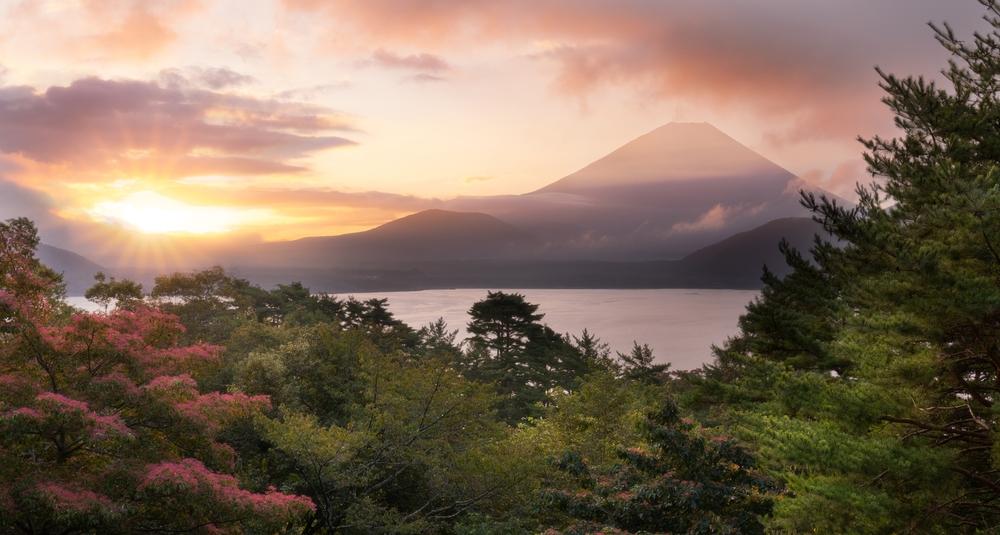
858, 397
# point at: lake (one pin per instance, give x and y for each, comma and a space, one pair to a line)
679, 324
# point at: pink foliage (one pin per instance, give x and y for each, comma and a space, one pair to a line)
110, 424
25, 412
190, 476
216, 408
8, 380
170, 382
161, 360
100, 425
67, 498
61, 403
144, 337
13, 386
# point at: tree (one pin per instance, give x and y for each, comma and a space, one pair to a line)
502, 324
867, 378
102, 427
638, 365
210, 303
437, 340
682, 482
120, 293
931, 255
380, 442
524, 359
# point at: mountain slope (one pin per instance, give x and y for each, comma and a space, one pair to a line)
672, 152
737, 261
734, 262
426, 235
78, 271
662, 195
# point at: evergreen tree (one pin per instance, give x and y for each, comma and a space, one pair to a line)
681, 482
523, 358
867, 378
638, 365
594, 351
437, 340
502, 324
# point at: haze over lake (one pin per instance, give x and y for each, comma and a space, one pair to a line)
679, 324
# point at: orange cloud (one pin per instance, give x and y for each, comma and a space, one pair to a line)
807, 68
715, 218
138, 36
417, 62
136, 127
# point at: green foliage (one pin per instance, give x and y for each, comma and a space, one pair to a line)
379, 442
639, 365
681, 482
524, 359
866, 379
110, 291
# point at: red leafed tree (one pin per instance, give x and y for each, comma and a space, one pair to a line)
102, 426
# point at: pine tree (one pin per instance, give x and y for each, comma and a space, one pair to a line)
867, 378
638, 365
681, 482
523, 358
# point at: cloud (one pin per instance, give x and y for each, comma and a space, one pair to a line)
479, 178
424, 78
313, 91
309, 199
135, 29
21, 201
107, 125
715, 218
415, 62
209, 78
843, 180
804, 67
140, 35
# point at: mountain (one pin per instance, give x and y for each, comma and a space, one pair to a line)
684, 205
423, 236
735, 262
78, 271
662, 195
675, 152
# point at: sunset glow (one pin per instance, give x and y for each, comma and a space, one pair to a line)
150, 212
294, 118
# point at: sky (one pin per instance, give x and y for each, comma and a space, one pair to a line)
291, 118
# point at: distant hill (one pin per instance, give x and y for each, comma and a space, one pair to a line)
78, 271
429, 235
735, 262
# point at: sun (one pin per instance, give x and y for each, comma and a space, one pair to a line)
153, 213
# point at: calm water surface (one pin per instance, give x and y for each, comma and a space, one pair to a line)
680, 325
